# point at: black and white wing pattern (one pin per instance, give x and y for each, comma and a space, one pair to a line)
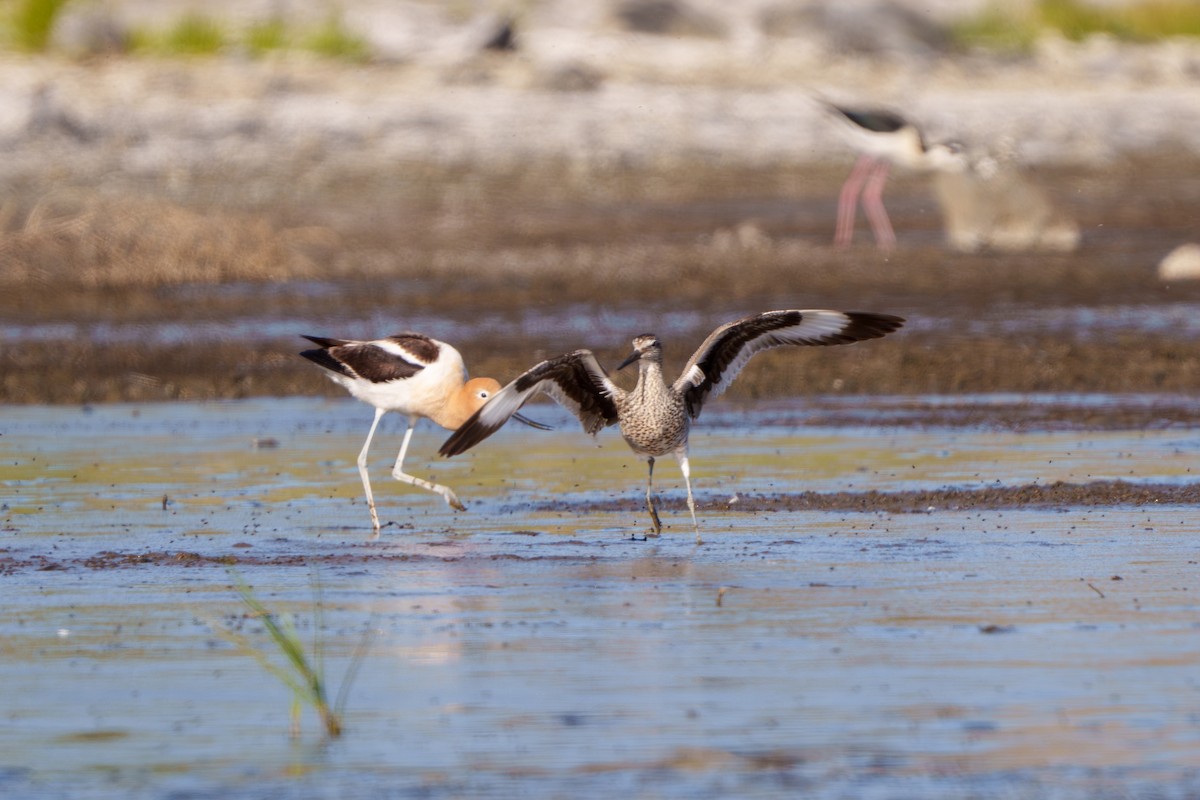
576, 381
378, 361
727, 349
875, 120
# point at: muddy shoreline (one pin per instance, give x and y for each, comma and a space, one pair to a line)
169, 227
511, 276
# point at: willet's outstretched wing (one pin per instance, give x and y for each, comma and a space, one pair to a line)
727, 349
576, 381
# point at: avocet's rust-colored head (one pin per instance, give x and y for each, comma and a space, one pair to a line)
466, 401
478, 391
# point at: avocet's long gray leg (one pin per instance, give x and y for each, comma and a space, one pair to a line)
366, 478
399, 474
657, 524
681, 457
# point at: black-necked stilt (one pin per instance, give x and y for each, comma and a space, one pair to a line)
883, 138
414, 375
655, 418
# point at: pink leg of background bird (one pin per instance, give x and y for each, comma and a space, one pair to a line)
849, 199
872, 200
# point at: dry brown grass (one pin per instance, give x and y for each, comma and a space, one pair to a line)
85, 240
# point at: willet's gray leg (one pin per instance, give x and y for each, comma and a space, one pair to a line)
650, 499
681, 457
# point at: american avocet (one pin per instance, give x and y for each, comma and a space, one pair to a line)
883, 138
655, 418
414, 375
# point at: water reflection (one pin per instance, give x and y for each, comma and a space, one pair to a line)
536, 650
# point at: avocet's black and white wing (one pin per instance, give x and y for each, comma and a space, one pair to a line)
727, 349
874, 120
377, 361
576, 381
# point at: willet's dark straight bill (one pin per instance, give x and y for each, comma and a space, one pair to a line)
414, 375
655, 417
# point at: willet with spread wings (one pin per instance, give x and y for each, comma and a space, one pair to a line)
655, 417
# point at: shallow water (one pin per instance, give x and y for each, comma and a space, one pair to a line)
529, 646
584, 323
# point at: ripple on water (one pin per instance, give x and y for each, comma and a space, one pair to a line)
530, 647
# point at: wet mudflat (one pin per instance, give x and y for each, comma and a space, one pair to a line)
878, 608
930, 592
511, 268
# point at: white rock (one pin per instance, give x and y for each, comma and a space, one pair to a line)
1182, 263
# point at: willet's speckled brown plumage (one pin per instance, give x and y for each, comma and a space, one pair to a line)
655, 418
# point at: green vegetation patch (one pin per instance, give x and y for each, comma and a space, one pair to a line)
200, 35
1002, 27
265, 37
192, 35
30, 22
27, 25
334, 40
195, 34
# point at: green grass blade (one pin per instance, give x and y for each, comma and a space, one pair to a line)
246, 647
356, 660
306, 681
